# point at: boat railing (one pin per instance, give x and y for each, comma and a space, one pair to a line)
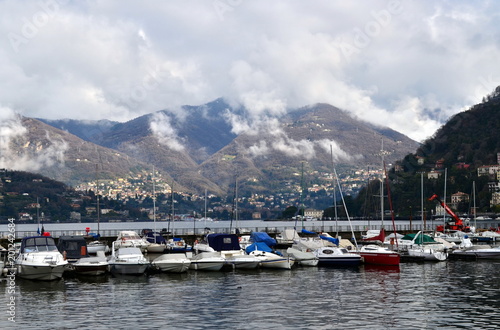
272, 230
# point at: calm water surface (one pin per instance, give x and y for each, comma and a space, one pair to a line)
450, 295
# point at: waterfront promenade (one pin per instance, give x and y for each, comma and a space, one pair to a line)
193, 229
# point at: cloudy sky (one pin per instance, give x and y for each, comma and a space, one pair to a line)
406, 64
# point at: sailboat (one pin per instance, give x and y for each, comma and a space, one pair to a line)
157, 242
422, 246
376, 254
97, 245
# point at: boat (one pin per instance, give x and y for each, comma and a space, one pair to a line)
303, 258
72, 247
39, 259
130, 238
172, 263
127, 261
379, 255
287, 237
269, 259
262, 249
92, 266
178, 245
332, 256
229, 248
423, 247
210, 261
94, 247
157, 243
467, 250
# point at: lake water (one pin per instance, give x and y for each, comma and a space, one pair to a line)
450, 295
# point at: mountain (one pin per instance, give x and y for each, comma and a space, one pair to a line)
198, 150
466, 142
64, 157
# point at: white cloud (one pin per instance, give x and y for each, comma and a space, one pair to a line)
33, 157
162, 129
410, 66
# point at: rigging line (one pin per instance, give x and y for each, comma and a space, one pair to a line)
343, 200
390, 205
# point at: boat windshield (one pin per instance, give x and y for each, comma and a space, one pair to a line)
34, 244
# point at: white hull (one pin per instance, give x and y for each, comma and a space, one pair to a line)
243, 262
303, 258
41, 272
210, 261
128, 268
94, 247
156, 248
272, 260
428, 254
172, 263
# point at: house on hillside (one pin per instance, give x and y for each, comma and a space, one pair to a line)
434, 174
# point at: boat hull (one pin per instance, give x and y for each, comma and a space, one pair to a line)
40, 273
340, 261
91, 270
374, 258
128, 269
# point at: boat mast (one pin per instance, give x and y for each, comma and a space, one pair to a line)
422, 197
474, 202
97, 200
343, 200
382, 187
444, 211
154, 203
205, 208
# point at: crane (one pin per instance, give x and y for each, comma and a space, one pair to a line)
455, 224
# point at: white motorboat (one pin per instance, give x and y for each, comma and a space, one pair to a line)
303, 258
273, 260
211, 261
129, 238
127, 261
467, 250
96, 246
172, 263
92, 266
39, 259
287, 237
423, 247
229, 248
334, 256
427, 253
478, 252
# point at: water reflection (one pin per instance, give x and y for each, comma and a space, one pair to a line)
453, 294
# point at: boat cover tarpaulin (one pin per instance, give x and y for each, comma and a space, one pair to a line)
155, 237
262, 237
261, 246
420, 238
223, 242
330, 239
304, 231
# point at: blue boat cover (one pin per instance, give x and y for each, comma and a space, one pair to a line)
262, 237
330, 239
304, 231
223, 242
261, 246
155, 237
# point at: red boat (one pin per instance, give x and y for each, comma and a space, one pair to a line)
379, 255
